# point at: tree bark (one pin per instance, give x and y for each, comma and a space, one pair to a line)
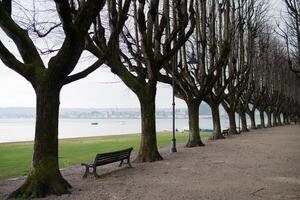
252, 119
269, 115
274, 119
262, 118
45, 178
217, 134
194, 132
286, 118
244, 121
232, 123
279, 119
148, 151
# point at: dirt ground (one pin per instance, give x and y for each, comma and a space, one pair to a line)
261, 164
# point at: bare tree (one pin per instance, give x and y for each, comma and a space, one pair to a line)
225, 35
238, 71
147, 43
255, 17
278, 83
200, 62
47, 80
291, 33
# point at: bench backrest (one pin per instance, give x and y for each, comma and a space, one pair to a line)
106, 158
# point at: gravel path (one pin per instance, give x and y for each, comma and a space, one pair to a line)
262, 164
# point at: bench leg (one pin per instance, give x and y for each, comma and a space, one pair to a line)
87, 171
95, 172
121, 163
128, 162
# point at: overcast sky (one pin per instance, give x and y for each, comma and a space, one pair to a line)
101, 89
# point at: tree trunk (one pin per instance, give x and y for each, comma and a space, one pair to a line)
262, 118
279, 119
217, 134
232, 123
45, 178
194, 132
269, 114
287, 119
148, 151
284, 119
252, 119
274, 119
243, 120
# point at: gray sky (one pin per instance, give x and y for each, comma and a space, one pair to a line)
97, 90
93, 91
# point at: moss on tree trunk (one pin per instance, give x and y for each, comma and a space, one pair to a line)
194, 131
148, 151
275, 119
286, 119
44, 178
269, 115
244, 121
262, 118
216, 122
279, 121
252, 119
232, 123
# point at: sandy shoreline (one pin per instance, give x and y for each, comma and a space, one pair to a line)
261, 164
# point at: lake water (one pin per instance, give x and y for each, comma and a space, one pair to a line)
13, 130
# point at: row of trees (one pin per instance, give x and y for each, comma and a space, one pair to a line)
220, 51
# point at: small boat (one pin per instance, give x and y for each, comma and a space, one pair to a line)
94, 123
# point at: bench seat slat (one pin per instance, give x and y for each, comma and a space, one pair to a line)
98, 162
111, 156
117, 158
116, 152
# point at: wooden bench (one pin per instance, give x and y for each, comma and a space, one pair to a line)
107, 158
225, 132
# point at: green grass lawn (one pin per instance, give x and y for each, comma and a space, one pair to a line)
15, 158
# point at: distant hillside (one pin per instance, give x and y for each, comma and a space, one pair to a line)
29, 112
17, 112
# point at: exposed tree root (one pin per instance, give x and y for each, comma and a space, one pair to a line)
196, 143
40, 186
233, 132
216, 137
148, 157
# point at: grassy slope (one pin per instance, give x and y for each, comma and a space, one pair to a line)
15, 158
